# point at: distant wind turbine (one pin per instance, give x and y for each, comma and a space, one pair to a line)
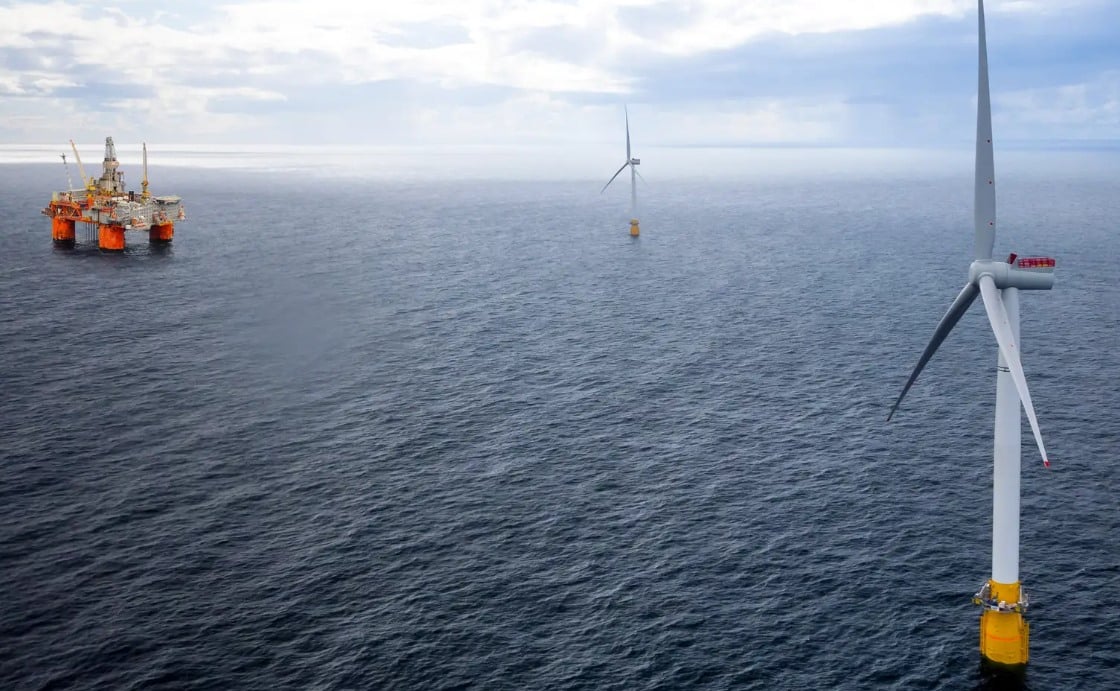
1003, 630
633, 164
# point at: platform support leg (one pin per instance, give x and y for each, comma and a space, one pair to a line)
62, 231
110, 238
161, 232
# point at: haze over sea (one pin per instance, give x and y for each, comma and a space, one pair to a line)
399, 419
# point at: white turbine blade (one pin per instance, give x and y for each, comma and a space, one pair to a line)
956, 311
613, 177
640, 175
985, 201
627, 111
997, 316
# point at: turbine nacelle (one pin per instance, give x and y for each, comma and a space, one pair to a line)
635, 161
1028, 273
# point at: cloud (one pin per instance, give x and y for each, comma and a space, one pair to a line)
1085, 111
502, 71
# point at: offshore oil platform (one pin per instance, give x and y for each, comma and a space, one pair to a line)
104, 207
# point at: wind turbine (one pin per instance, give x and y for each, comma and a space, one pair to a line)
1003, 630
633, 164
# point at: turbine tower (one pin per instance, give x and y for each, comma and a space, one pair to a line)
633, 164
1003, 630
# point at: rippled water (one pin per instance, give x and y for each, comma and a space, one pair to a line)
365, 434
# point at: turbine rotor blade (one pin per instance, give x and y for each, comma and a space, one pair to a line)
1001, 326
985, 199
952, 316
640, 175
613, 177
627, 111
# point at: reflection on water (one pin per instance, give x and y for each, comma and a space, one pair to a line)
995, 677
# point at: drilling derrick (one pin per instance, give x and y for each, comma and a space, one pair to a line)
107, 210
111, 181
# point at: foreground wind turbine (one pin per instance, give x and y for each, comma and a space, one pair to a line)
1003, 630
633, 163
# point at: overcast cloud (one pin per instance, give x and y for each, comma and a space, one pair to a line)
895, 73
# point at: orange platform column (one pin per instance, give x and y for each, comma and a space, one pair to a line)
62, 230
110, 238
161, 232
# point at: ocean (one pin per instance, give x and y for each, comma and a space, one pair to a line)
374, 426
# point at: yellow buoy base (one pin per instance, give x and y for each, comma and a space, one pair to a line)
634, 227
1004, 635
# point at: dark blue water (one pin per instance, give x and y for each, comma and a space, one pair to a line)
374, 434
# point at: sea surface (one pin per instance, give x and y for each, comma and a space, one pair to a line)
359, 430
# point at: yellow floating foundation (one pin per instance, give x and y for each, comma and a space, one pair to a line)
62, 230
1004, 634
110, 238
634, 228
161, 232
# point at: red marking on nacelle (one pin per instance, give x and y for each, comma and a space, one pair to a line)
1036, 263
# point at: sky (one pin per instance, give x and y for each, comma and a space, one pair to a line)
693, 73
